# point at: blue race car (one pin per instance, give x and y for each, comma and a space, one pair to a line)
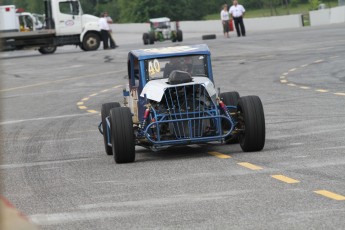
171, 100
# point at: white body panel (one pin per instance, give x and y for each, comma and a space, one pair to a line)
154, 89
8, 18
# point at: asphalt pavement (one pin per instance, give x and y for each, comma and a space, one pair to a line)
56, 172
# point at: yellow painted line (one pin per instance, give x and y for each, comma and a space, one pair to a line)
283, 81
291, 70
117, 86
305, 65
85, 99
93, 94
285, 179
340, 94
318, 61
82, 107
291, 84
282, 77
331, 195
92, 111
304, 87
219, 155
334, 57
249, 165
285, 74
80, 103
106, 90
322, 90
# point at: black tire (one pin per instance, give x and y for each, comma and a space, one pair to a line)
91, 42
152, 37
122, 135
47, 50
146, 38
179, 36
230, 98
252, 117
208, 36
105, 111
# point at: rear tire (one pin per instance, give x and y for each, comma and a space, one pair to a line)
122, 135
230, 98
47, 50
253, 122
105, 111
146, 38
152, 37
179, 36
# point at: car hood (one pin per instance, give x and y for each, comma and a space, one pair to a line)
154, 89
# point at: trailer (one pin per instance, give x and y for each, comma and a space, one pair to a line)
64, 24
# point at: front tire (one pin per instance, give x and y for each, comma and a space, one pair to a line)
122, 135
252, 120
91, 42
105, 111
152, 37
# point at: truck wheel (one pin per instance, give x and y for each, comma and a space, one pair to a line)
179, 36
146, 38
230, 98
91, 42
152, 37
47, 50
122, 135
252, 121
105, 111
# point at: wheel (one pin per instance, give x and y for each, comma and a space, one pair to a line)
91, 42
105, 111
152, 37
146, 38
82, 47
122, 135
209, 36
230, 98
47, 50
179, 35
252, 121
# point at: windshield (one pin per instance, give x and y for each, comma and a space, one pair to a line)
159, 68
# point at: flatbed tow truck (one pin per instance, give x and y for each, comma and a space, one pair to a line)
64, 24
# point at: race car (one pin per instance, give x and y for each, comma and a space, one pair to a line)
171, 100
162, 29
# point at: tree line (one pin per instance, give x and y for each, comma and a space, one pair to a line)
124, 11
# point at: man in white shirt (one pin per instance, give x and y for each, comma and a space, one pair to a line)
103, 24
237, 12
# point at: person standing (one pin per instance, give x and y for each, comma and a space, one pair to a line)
103, 24
224, 17
111, 38
237, 13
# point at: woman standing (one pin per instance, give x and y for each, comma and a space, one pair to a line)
224, 16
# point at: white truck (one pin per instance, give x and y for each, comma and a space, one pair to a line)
64, 24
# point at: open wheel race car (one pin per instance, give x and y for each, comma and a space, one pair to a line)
171, 100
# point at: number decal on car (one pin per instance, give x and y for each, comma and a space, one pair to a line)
154, 67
